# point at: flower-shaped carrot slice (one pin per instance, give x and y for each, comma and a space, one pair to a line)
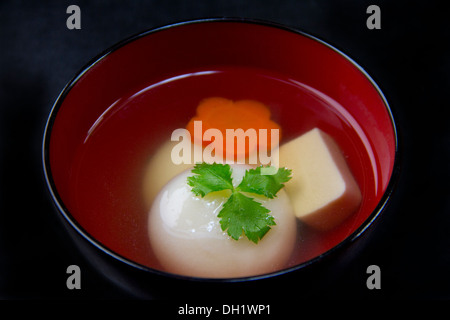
223, 114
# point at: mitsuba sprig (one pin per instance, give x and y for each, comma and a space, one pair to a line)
240, 214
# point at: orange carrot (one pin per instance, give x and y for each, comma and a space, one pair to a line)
222, 114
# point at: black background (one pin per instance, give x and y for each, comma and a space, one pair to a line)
409, 57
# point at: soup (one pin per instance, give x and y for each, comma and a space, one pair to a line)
106, 176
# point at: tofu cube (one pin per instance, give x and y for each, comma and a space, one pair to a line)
322, 190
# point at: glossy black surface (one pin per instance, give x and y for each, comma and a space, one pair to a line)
408, 57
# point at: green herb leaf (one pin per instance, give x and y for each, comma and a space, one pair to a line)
241, 214
210, 177
267, 185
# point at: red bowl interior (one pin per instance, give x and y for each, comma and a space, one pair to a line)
116, 80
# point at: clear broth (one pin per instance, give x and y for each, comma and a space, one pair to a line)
106, 176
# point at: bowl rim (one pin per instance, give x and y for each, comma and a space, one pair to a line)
346, 242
